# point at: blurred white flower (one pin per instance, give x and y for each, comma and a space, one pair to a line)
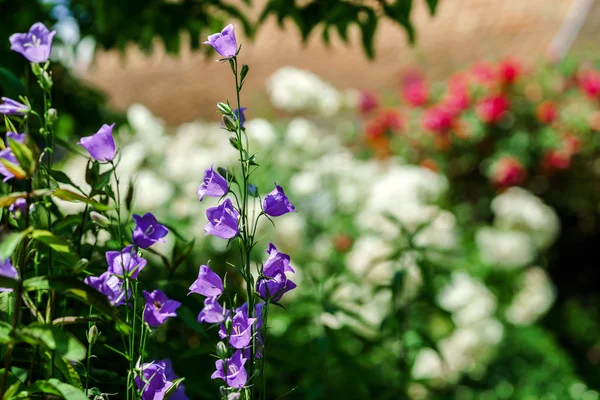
148, 129
518, 209
534, 298
504, 248
151, 192
427, 365
467, 298
368, 260
261, 134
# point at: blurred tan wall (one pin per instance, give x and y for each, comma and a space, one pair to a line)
186, 87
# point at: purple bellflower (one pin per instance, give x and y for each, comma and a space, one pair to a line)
18, 207
241, 330
8, 155
241, 116
12, 107
171, 376
258, 313
7, 270
276, 261
101, 145
212, 312
148, 231
34, 45
110, 286
222, 221
208, 284
224, 43
158, 308
214, 185
125, 261
153, 384
274, 287
232, 370
276, 203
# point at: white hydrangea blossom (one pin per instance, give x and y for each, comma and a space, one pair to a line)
505, 248
534, 298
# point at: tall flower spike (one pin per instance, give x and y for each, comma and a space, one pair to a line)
277, 203
12, 107
222, 221
214, 185
232, 370
148, 231
158, 308
100, 145
225, 42
208, 284
34, 45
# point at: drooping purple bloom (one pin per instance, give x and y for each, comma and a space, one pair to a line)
148, 231
276, 261
222, 221
171, 376
158, 308
258, 313
12, 107
208, 284
277, 203
34, 45
212, 312
100, 145
224, 43
7, 270
214, 185
18, 208
125, 261
241, 330
242, 117
110, 286
231, 370
17, 137
274, 287
153, 383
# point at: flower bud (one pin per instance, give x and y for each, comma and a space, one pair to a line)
52, 116
229, 123
36, 69
45, 80
92, 335
224, 109
99, 219
233, 396
222, 351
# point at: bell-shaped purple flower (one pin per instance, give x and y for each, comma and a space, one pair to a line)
171, 376
18, 208
125, 261
276, 261
212, 312
214, 185
241, 116
222, 221
232, 370
276, 203
158, 308
153, 383
12, 107
101, 145
34, 45
258, 313
110, 286
7, 270
241, 330
148, 231
224, 43
208, 284
274, 287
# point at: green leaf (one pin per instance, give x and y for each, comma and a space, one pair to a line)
7, 200
67, 369
61, 177
67, 195
8, 124
75, 288
5, 329
13, 385
56, 387
54, 338
173, 387
10, 243
25, 156
13, 168
432, 5
56, 243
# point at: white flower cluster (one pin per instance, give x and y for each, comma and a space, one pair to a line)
533, 299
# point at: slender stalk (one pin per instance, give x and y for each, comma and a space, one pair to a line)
263, 362
89, 356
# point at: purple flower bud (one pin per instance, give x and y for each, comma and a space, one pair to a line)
274, 287
100, 145
276, 261
18, 208
224, 43
276, 203
158, 308
12, 107
110, 286
8, 271
231, 370
214, 185
236, 114
125, 261
34, 45
208, 283
148, 231
212, 312
153, 383
222, 221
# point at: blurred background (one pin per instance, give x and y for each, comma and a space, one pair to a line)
443, 157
